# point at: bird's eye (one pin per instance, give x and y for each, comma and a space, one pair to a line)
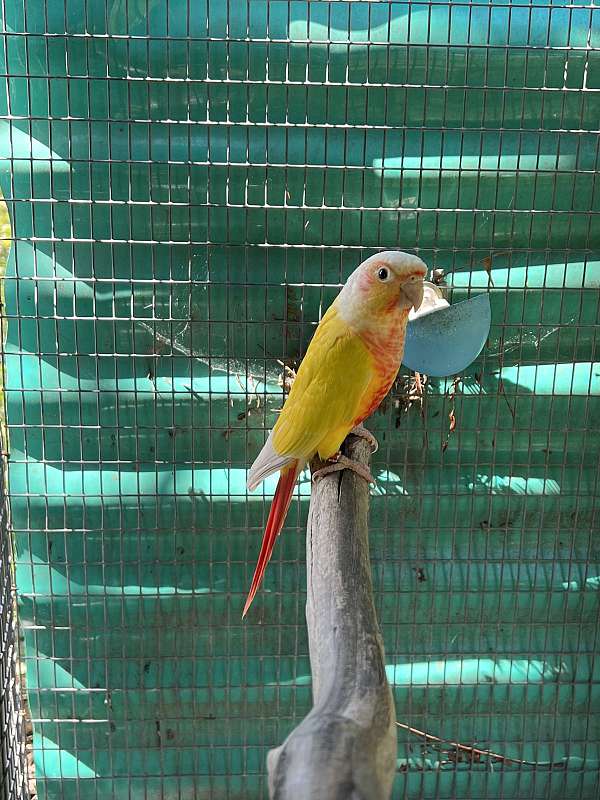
383, 274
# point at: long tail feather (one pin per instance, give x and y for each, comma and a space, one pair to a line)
277, 515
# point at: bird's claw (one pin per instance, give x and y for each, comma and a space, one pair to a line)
363, 433
340, 462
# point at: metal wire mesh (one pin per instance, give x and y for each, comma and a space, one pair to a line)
13, 780
189, 184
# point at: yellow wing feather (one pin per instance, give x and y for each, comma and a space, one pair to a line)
327, 393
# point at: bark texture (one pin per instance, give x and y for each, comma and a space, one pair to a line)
345, 749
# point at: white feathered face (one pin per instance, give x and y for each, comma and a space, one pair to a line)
384, 283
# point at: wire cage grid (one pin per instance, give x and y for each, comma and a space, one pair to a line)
189, 184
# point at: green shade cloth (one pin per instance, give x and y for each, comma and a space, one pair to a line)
189, 184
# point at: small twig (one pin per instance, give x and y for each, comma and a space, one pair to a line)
240, 384
288, 377
420, 385
409, 390
487, 265
196, 394
254, 390
502, 391
474, 751
451, 415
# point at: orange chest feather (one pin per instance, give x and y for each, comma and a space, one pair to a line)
386, 348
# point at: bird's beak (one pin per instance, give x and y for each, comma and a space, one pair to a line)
414, 290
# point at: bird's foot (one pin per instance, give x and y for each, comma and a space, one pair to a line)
363, 433
339, 462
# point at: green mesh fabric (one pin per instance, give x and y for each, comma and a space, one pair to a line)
189, 184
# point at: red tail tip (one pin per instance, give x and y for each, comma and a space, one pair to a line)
277, 515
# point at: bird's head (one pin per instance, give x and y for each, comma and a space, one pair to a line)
386, 282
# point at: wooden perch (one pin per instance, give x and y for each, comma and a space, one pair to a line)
345, 749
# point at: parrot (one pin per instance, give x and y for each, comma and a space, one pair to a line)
349, 367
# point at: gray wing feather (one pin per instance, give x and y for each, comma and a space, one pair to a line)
267, 462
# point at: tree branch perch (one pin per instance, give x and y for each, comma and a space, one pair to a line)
345, 749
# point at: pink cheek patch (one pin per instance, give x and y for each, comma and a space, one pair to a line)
366, 281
